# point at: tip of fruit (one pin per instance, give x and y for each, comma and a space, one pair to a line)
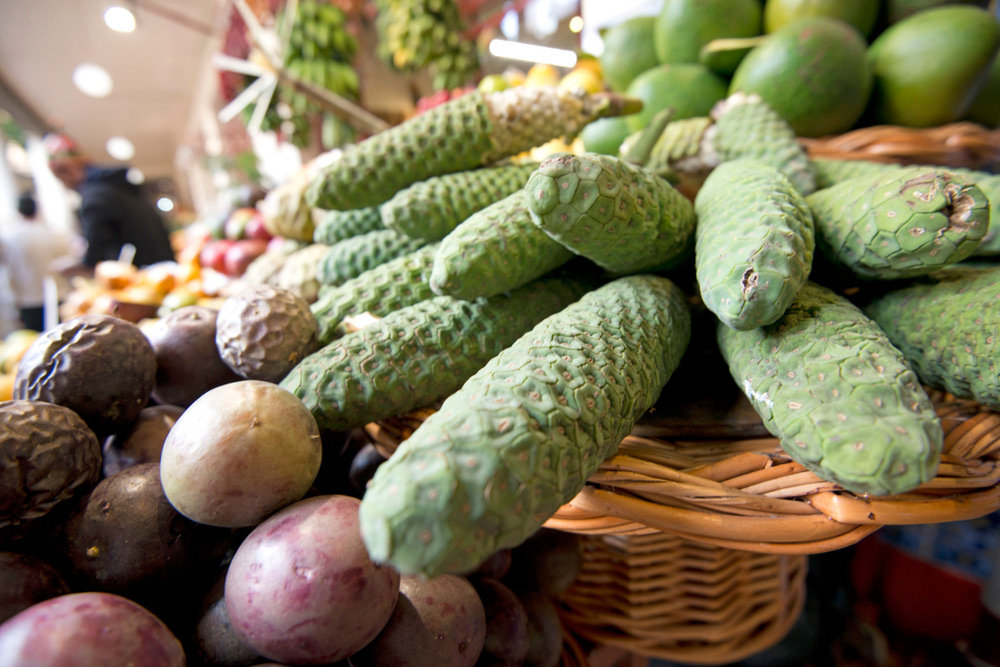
626, 105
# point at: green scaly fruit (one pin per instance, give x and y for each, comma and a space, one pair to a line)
379, 291
900, 224
523, 434
474, 130
298, 272
335, 226
351, 257
947, 327
420, 354
830, 172
755, 240
745, 126
431, 209
494, 250
841, 398
680, 147
622, 217
739, 126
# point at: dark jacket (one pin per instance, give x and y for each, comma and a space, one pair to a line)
113, 212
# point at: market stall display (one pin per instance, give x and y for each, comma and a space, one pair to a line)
605, 399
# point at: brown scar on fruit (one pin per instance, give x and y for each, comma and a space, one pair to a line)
928, 178
959, 208
749, 280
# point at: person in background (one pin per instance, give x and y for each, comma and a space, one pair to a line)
113, 210
32, 252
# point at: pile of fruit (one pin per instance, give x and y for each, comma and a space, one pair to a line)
210, 259
320, 50
241, 238
826, 67
427, 34
207, 482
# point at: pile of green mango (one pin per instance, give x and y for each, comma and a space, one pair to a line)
827, 66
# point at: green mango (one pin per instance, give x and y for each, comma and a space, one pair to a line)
929, 67
859, 13
683, 27
628, 51
985, 109
690, 89
813, 72
894, 11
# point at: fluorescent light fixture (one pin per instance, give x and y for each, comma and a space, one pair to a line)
165, 204
119, 19
532, 53
120, 148
92, 80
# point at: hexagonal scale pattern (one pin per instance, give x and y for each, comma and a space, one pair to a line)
520, 438
825, 377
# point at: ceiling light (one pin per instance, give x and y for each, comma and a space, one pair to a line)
119, 19
92, 80
532, 53
165, 204
120, 148
576, 24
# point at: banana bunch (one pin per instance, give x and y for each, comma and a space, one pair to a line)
418, 34
320, 50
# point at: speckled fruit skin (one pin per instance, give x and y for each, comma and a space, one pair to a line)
88, 630
844, 401
48, 457
239, 453
438, 622
101, 367
301, 587
262, 332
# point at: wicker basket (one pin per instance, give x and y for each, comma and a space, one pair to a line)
696, 544
663, 596
746, 494
697, 532
956, 145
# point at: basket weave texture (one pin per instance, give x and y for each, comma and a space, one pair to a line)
706, 470
747, 494
955, 145
663, 596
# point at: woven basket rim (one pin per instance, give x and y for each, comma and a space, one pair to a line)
745, 493
960, 144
